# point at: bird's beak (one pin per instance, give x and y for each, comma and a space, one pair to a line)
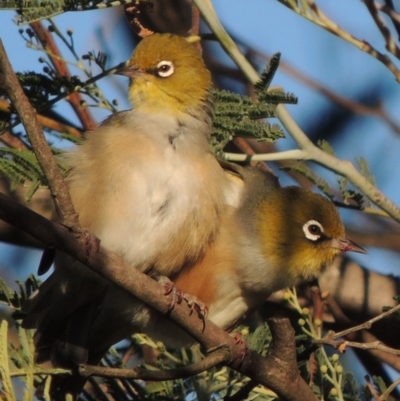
130, 71
346, 245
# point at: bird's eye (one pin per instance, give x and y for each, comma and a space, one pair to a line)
313, 230
165, 69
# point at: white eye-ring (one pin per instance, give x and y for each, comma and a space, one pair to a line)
313, 230
165, 68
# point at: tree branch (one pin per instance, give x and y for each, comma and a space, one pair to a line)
45, 121
366, 325
40, 146
391, 45
60, 66
278, 371
213, 359
315, 15
307, 150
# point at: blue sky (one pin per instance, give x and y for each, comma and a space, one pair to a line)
269, 27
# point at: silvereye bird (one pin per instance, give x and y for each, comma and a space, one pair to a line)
151, 191
144, 182
273, 238
277, 237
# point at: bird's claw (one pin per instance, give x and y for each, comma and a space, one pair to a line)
177, 296
92, 243
170, 289
244, 349
194, 303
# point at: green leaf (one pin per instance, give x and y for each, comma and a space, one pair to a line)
305, 171
350, 195
236, 115
261, 87
365, 171
378, 381
259, 340
40, 87
13, 298
7, 295
326, 147
22, 166
35, 10
351, 389
267, 75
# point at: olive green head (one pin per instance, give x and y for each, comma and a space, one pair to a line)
167, 73
301, 232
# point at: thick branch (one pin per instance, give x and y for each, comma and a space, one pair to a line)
40, 146
278, 371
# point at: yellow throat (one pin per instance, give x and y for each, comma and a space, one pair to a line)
168, 74
300, 232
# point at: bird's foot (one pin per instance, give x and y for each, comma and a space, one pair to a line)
170, 289
92, 243
194, 303
244, 349
177, 296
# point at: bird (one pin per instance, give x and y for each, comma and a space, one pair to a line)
273, 238
145, 183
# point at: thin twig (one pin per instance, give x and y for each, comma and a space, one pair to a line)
307, 150
358, 108
244, 145
314, 14
222, 355
46, 122
343, 344
387, 358
371, 388
391, 45
388, 9
385, 394
66, 93
12, 140
366, 325
47, 40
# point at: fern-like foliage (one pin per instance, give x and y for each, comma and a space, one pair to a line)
304, 170
14, 299
324, 373
326, 147
236, 115
98, 58
349, 194
21, 167
39, 88
262, 86
365, 170
267, 75
35, 10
